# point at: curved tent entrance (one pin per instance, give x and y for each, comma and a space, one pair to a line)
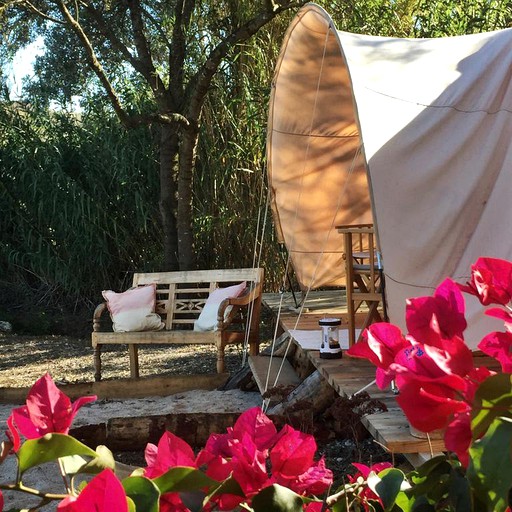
316, 169
414, 133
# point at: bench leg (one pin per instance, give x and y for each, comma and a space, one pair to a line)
220, 358
133, 351
97, 363
254, 348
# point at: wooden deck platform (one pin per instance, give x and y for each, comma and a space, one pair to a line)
350, 375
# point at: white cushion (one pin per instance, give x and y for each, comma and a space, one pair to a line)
134, 310
207, 320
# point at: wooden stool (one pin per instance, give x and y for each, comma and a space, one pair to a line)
363, 274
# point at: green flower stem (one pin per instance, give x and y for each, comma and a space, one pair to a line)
63, 474
29, 490
347, 489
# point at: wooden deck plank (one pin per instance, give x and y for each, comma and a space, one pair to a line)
260, 369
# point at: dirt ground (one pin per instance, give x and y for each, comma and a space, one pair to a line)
24, 358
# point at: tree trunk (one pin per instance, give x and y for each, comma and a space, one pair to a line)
169, 149
187, 159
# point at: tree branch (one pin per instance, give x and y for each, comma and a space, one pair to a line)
105, 30
199, 84
148, 70
95, 64
183, 13
32, 8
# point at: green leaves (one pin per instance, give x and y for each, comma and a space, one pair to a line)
386, 485
183, 479
143, 492
493, 399
490, 471
277, 498
48, 448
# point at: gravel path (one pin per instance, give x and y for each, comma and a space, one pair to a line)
23, 359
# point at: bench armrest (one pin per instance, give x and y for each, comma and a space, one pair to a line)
96, 317
244, 300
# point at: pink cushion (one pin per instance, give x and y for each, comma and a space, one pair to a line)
133, 310
207, 320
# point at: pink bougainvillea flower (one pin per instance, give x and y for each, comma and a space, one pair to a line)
474, 379
249, 466
104, 493
381, 343
502, 314
220, 448
458, 436
415, 363
315, 480
452, 356
293, 463
293, 453
363, 471
491, 281
431, 319
47, 410
170, 452
255, 423
316, 506
428, 405
499, 346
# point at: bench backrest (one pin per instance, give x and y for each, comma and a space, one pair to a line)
181, 295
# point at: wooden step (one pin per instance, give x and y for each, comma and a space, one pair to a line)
266, 379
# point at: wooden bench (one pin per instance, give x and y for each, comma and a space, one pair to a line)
180, 298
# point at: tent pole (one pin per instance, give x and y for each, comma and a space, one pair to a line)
288, 278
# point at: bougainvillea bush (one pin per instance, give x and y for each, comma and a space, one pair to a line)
251, 466
441, 389
255, 467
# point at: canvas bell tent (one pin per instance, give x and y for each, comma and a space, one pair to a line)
414, 135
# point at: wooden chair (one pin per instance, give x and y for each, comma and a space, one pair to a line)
365, 282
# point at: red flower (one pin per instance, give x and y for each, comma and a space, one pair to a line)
475, 378
458, 436
429, 405
452, 356
104, 493
315, 506
255, 423
506, 316
431, 319
293, 463
491, 281
424, 363
249, 466
380, 345
171, 452
499, 346
363, 473
47, 410
429, 392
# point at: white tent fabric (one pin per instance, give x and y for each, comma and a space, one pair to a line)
434, 120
